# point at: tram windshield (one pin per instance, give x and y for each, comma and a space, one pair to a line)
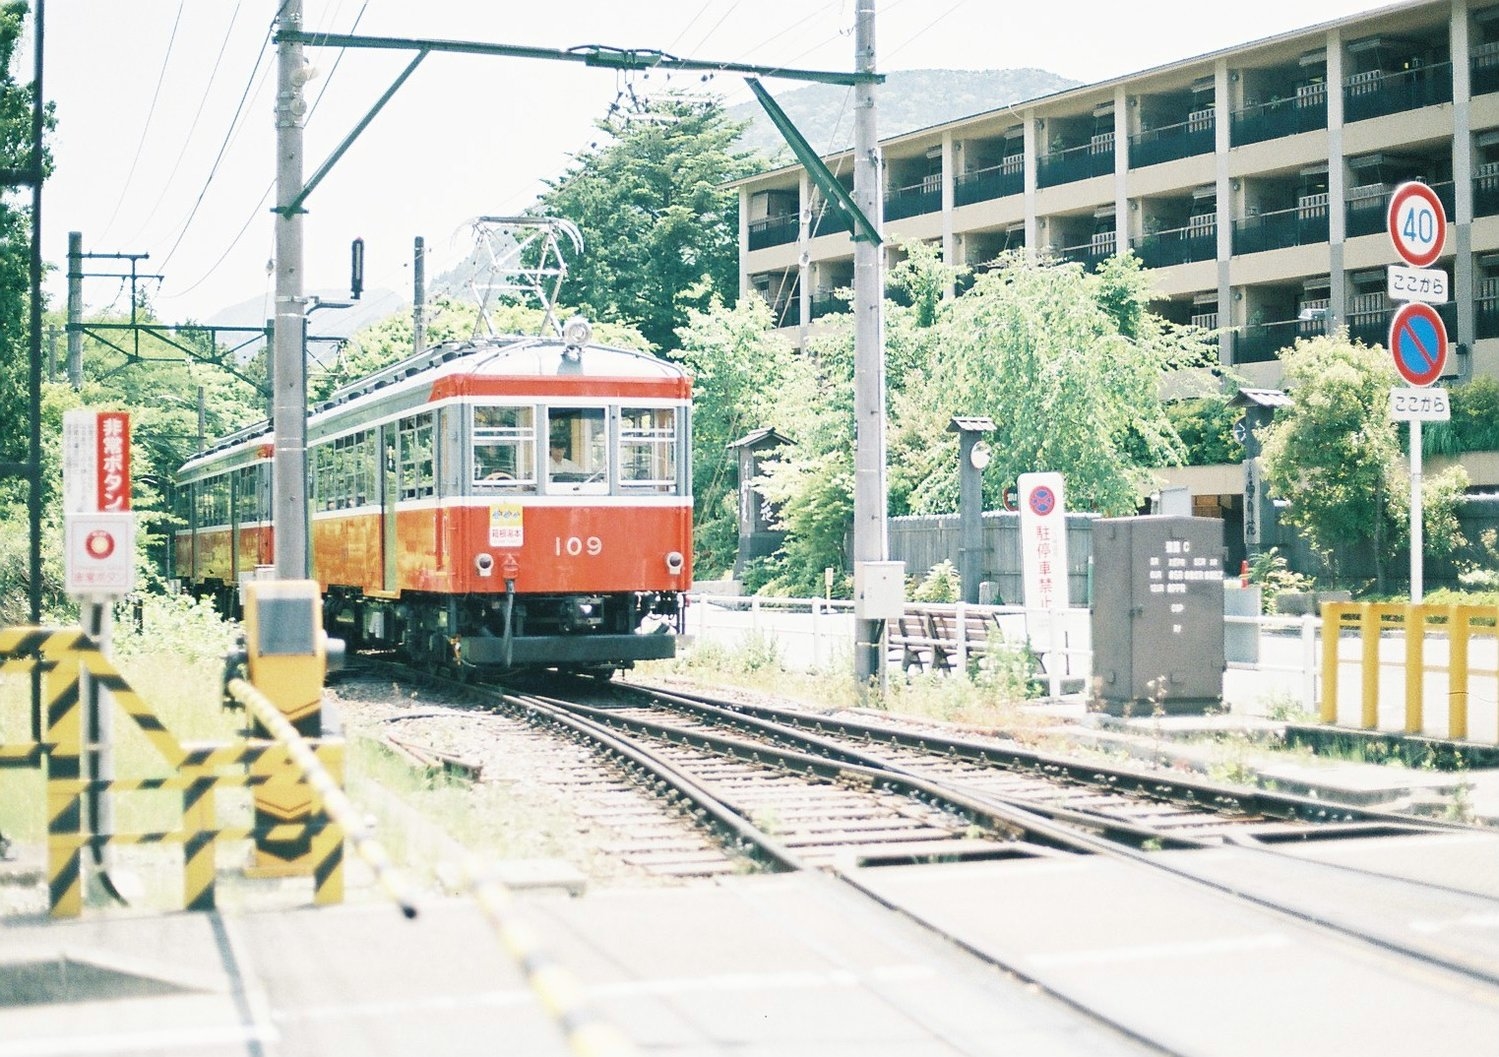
577, 450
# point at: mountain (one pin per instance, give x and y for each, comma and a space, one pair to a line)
907, 101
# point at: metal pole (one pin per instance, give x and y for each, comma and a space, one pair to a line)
870, 542
75, 309
1418, 544
289, 393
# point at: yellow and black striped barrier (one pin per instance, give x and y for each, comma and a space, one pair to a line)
1456, 625
281, 767
327, 853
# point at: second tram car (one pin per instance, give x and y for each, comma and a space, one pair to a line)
502, 503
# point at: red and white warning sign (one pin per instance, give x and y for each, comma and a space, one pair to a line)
99, 530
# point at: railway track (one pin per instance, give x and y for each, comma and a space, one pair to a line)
787, 790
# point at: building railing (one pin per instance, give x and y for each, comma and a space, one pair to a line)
829, 221
1303, 225
1483, 67
996, 181
1076, 163
1486, 189
1376, 93
1486, 312
914, 199
1195, 242
1366, 211
1262, 342
774, 231
1091, 253
1371, 324
1170, 142
829, 304
1305, 112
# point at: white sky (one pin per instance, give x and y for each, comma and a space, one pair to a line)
466, 135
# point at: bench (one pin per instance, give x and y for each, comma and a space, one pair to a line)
944, 638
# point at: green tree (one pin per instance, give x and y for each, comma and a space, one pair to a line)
1068, 365
660, 228
743, 373
1333, 454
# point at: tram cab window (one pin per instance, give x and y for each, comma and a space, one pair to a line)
577, 450
505, 449
648, 450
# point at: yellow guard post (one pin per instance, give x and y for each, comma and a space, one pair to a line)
286, 658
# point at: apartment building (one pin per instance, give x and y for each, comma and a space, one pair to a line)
1254, 181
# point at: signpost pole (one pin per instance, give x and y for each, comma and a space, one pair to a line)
1417, 225
1418, 544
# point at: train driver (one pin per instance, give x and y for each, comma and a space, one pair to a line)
559, 461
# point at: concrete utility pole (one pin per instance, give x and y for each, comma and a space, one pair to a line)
289, 361
419, 294
75, 309
870, 540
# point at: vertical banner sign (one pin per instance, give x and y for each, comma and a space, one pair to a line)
113, 432
1043, 540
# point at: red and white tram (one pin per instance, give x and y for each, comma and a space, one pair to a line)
511, 502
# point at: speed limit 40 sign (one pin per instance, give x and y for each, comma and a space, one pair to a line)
1417, 224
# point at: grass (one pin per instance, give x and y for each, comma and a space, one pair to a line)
990, 699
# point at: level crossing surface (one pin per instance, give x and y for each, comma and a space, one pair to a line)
787, 964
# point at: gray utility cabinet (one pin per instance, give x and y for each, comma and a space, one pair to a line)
1157, 615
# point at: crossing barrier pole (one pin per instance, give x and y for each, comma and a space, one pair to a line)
1369, 625
1332, 629
1457, 671
1415, 668
63, 708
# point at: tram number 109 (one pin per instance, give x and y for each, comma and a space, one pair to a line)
576, 546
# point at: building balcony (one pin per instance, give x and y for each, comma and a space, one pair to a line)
1305, 225
1077, 163
1372, 326
773, 231
1195, 242
1305, 112
831, 221
1486, 190
1376, 93
829, 304
914, 199
1262, 342
1192, 136
1483, 75
997, 181
1367, 209
1486, 309
1089, 254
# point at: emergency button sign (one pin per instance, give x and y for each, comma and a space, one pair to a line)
100, 554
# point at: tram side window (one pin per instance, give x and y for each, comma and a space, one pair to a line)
418, 476
648, 449
213, 501
577, 450
505, 448
246, 495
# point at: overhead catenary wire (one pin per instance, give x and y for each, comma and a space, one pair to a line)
192, 129
140, 145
